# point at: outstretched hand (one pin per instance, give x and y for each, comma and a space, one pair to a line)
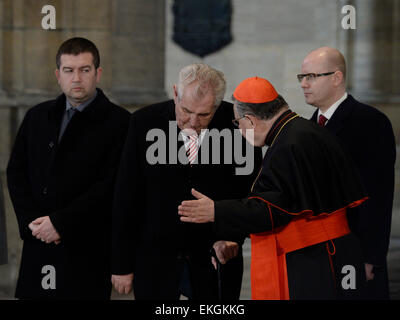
197, 211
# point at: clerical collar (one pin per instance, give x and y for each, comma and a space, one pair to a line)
278, 125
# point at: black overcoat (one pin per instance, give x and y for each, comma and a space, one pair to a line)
367, 134
72, 183
305, 171
148, 236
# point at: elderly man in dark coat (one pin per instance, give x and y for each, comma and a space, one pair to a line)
60, 177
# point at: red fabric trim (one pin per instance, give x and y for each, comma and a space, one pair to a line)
330, 260
268, 250
351, 205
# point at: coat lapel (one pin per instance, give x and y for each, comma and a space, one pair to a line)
94, 112
339, 118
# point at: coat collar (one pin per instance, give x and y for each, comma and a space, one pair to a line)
92, 112
338, 119
278, 125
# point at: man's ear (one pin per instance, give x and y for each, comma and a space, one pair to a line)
338, 78
99, 71
252, 119
57, 73
175, 90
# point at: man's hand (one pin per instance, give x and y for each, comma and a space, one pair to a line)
123, 283
368, 271
225, 250
197, 211
43, 229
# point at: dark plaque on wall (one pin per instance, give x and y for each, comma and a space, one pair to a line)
202, 26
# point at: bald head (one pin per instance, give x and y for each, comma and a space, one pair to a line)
330, 59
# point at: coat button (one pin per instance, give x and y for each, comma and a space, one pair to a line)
45, 190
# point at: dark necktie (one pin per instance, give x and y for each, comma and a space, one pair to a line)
322, 120
66, 120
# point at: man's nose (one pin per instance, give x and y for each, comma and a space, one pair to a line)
304, 83
76, 76
194, 120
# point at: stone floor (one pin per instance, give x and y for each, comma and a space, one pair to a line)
393, 265
6, 291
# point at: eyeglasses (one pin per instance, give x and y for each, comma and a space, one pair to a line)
313, 76
236, 121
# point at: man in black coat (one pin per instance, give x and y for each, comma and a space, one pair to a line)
367, 135
60, 176
160, 165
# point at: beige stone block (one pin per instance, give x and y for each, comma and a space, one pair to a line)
32, 12
6, 14
40, 50
4, 137
13, 58
137, 64
138, 18
92, 14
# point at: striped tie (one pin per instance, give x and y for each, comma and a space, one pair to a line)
193, 148
322, 120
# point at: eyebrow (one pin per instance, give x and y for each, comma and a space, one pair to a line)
200, 114
83, 67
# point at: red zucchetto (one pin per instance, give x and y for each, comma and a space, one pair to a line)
255, 90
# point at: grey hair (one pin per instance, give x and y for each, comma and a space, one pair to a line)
262, 111
206, 78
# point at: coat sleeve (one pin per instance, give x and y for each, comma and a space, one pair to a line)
242, 186
128, 208
20, 189
377, 173
73, 222
251, 214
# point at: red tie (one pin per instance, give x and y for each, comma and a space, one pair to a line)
193, 148
322, 120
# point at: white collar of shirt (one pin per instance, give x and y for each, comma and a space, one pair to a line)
186, 138
329, 113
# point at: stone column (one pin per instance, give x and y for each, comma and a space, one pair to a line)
375, 52
138, 48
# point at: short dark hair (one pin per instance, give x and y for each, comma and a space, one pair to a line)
262, 111
76, 46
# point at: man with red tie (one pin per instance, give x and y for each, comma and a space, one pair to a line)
367, 135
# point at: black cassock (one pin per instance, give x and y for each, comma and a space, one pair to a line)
304, 169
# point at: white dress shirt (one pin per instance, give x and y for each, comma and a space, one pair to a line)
329, 113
